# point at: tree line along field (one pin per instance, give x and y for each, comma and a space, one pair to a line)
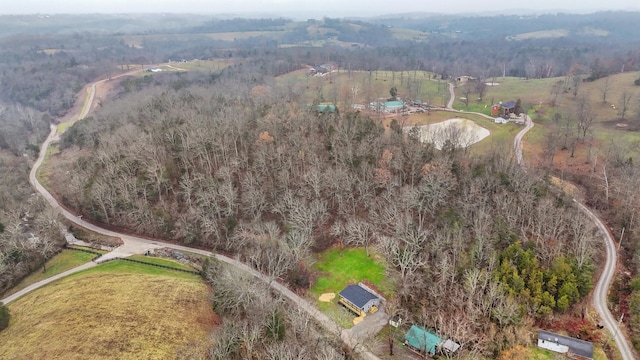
139, 40
348, 87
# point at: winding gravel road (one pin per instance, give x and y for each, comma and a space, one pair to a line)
517, 141
602, 286
137, 245
452, 97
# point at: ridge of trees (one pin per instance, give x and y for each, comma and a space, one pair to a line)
620, 25
256, 323
28, 231
267, 179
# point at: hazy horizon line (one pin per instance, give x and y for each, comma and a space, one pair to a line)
318, 14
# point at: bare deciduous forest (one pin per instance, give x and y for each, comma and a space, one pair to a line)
235, 161
273, 182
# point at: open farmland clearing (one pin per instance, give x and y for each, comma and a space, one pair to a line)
112, 311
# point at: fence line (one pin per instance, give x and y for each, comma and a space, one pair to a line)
151, 264
98, 254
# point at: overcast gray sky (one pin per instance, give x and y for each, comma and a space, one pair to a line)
322, 7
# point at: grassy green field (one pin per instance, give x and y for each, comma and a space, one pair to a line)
324, 41
605, 127
618, 84
544, 34
51, 51
357, 87
501, 137
202, 65
336, 272
557, 33
536, 353
533, 352
117, 310
593, 31
536, 95
65, 260
532, 92
126, 267
62, 127
408, 34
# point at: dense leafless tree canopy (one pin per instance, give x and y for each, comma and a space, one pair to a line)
235, 161
272, 181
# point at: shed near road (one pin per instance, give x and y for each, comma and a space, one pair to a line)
574, 348
359, 299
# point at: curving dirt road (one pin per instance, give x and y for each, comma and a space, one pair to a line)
517, 141
136, 245
452, 97
602, 286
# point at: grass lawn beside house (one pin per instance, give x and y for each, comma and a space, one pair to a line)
336, 272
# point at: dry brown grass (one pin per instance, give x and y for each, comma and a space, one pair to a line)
109, 316
565, 186
327, 297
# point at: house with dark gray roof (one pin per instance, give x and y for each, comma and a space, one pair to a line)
359, 299
503, 109
574, 348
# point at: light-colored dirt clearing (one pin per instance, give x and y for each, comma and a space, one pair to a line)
327, 297
457, 132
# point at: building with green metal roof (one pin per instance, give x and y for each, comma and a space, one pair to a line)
421, 340
326, 107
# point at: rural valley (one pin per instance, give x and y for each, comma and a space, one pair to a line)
406, 186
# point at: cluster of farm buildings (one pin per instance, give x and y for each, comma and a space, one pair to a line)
321, 70
362, 301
